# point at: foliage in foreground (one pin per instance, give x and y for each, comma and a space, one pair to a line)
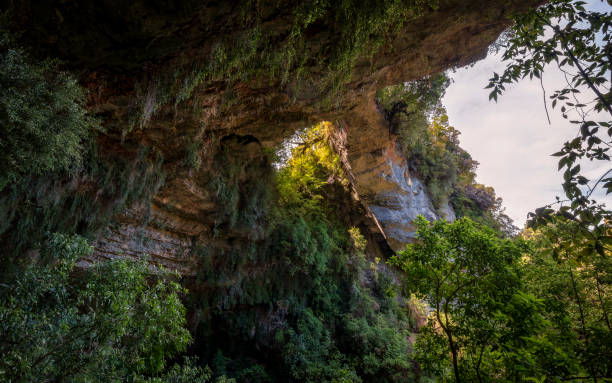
573, 281
504, 312
105, 324
497, 317
570, 269
468, 277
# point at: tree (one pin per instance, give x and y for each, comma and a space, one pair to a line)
470, 278
573, 282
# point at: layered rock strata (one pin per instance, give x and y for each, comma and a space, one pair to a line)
118, 47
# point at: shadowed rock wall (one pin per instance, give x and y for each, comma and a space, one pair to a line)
118, 47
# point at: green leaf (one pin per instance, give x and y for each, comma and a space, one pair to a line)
493, 95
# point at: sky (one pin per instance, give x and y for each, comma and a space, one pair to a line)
511, 139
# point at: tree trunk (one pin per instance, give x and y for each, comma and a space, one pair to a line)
478, 364
601, 303
582, 321
451, 344
453, 348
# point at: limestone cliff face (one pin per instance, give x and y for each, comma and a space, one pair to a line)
392, 196
398, 198
117, 48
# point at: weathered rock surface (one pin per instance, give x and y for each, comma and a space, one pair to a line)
116, 46
404, 199
383, 182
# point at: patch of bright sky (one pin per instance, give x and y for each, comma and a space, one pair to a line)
511, 139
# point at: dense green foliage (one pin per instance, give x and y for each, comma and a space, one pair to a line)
43, 122
285, 290
543, 315
573, 282
112, 322
53, 178
109, 324
504, 312
296, 292
468, 276
570, 269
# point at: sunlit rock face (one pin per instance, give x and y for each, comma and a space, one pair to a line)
397, 198
380, 175
396, 210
